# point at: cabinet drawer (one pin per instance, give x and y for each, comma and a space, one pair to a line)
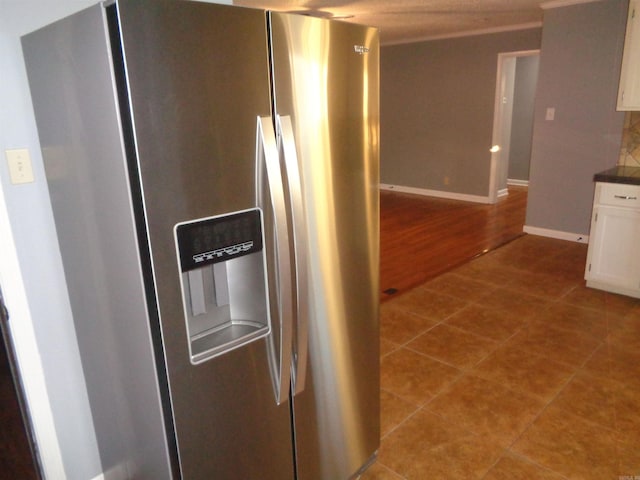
619, 195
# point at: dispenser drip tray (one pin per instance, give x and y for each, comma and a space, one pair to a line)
224, 338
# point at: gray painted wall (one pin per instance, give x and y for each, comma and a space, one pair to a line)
523, 114
579, 69
437, 100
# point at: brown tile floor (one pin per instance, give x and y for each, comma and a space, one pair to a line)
510, 368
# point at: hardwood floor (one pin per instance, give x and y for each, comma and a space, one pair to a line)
423, 237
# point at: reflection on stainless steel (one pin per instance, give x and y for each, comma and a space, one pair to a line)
334, 109
299, 228
280, 352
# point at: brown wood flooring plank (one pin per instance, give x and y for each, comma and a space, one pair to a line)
423, 237
16, 461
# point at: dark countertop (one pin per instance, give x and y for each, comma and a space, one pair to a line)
619, 174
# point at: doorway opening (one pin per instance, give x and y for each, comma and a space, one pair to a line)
513, 121
17, 444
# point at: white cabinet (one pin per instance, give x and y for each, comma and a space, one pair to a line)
613, 259
629, 90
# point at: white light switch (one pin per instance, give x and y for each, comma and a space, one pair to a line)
19, 166
551, 113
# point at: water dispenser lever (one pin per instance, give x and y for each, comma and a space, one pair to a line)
221, 282
196, 292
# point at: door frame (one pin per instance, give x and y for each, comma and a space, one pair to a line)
21, 334
498, 119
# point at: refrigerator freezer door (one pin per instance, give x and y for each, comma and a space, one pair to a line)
197, 76
326, 80
70, 77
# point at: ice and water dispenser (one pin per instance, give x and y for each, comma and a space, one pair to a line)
223, 276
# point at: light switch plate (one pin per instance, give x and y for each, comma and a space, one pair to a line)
551, 114
20, 169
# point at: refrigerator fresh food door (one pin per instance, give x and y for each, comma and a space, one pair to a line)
197, 76
325, 76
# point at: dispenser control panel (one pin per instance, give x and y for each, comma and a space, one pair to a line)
218, 239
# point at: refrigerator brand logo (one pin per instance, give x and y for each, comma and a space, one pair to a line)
223, 252
360, 49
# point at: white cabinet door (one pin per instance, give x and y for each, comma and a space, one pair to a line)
629, 91
614, 249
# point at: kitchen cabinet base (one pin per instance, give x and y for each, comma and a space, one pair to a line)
629, 292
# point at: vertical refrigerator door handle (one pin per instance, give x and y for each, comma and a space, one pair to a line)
287, 145
267, 150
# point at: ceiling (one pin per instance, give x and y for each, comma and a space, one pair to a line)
405, 20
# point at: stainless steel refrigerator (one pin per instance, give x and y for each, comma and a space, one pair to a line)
213, 173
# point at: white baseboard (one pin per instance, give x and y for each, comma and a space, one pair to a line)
544, 232
517, 183
503, 192
435, 193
